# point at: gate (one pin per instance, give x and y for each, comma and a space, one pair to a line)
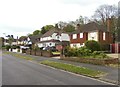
115, 48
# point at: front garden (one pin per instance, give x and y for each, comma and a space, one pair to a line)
90, 53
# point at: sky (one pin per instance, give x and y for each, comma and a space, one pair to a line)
21, 17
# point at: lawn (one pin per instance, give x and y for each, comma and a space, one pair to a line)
19, 55
74, 69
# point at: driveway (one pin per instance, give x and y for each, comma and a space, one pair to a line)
114, 55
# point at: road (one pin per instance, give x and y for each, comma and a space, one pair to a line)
16, 71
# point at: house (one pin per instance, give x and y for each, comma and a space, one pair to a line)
22, 41
54, 38
34, 39
90, 31
13, 42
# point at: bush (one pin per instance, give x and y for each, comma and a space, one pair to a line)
103, 55
92, 45
7, 47
83, 51
99, 54
105, 47
14, 46
70, 51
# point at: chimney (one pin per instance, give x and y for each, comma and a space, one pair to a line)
108, 23
77, 27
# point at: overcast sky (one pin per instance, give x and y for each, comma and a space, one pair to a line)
20, 17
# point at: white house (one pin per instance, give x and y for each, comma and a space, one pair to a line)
53, 38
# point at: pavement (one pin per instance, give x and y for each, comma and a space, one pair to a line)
114, 55
112, 73
17, 71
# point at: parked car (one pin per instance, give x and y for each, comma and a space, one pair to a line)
53, 49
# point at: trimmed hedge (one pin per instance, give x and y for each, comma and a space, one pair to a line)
95, 61
92, 45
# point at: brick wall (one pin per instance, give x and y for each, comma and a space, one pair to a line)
79, 40
108, 38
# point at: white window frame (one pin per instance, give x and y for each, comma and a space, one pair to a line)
104, 34
81, 35
74, 36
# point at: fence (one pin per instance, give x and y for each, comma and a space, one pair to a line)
39, 53
115, 48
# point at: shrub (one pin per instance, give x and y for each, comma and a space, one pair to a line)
18, 47
83, 51
7, 47
99, 54
92, 45
103, 55
14, 46
105, 47
70, 51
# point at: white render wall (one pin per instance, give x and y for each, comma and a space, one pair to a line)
46, 38
94, 35
46, 44
76, 45
63, 37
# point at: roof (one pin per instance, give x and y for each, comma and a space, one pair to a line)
54, 30
56, 41
23, 38
92, 26
35, 38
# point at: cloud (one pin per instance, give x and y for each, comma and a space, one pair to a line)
29, 15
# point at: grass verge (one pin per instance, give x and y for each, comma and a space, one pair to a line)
19, 56
74, 69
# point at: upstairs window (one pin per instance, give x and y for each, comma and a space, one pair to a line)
103, 35
74, 36
81, 35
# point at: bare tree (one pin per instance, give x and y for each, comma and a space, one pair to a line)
104, 12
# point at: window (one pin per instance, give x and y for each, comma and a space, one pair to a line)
81, 35
74, 36
103, 35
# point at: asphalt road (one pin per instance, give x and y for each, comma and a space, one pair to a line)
16, 71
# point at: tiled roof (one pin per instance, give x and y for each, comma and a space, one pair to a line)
35, 38
92, 26
54, 30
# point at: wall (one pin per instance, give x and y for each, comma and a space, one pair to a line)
39, 53
45, 38
108, 38
65, 37
45, 44
78, 41
77, 45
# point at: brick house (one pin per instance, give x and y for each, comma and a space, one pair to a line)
90, 31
